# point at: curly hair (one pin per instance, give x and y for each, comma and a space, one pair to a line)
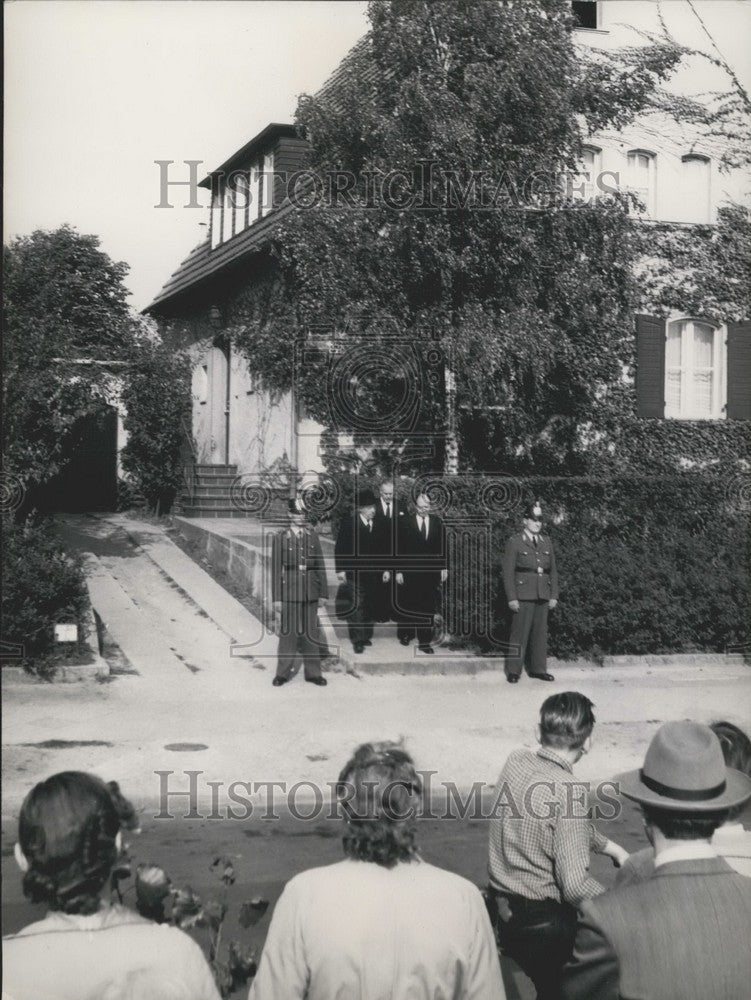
736, 749
66, 830
378, 791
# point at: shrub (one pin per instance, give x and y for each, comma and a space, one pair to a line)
42, 585
646, 564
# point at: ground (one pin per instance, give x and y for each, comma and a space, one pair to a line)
179, 701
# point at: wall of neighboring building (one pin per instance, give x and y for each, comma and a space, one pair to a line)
686, 182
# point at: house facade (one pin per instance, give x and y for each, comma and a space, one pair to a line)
689, 367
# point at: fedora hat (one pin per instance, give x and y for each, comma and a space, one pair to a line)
684, 771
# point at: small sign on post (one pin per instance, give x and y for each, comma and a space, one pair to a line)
66, 632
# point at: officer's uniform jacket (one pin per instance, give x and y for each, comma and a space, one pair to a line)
298, 573
529, 573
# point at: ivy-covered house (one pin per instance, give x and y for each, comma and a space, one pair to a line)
685, 357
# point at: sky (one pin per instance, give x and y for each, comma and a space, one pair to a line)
96, 91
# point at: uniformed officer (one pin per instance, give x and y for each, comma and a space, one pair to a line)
531, 582
298, 579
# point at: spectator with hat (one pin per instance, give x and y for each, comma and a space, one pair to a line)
299, 585
680, 934
731, 840
530, 579
356, 557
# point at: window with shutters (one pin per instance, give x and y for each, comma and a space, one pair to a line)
694, 370
641, 174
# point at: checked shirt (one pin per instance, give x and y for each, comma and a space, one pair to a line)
541, 841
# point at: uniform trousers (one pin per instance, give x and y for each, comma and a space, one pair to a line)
538, 934
529, 633
300, 633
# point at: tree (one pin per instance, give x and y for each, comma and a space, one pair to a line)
63, 300
156, 398
454, 122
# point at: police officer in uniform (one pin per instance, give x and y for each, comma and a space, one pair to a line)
298, 581
531, 582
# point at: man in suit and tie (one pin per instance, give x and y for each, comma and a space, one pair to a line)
298, 583
385, 525
530, 578
422, 554
356, 560
680, 934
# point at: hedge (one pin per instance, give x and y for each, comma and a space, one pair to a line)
646, 564
42, 585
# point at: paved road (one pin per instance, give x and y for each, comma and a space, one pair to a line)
187, 688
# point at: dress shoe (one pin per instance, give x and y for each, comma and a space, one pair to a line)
513, 679
426, 649
278, 681
320, 681
543, 677
367, 642
358, 647
405, 640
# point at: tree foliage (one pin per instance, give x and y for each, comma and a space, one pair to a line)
63, 300
524, 289
156, 398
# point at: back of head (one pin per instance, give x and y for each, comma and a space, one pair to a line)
66, 831
566, 721
378, 790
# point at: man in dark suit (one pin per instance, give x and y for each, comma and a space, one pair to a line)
385, 526
298, 583
530, 579
422, 556
356, 560
680, 934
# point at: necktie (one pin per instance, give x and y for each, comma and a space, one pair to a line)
388, 510
425, 527
534, 540
370, 525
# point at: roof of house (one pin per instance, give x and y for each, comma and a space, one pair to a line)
203, 263
243, 156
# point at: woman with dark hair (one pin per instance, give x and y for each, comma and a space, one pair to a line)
84, 949
382, 924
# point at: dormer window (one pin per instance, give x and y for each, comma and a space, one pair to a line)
244, 189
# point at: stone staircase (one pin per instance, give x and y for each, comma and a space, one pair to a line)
210, 492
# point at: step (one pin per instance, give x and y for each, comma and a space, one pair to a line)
218, 482
215, 470
194, 510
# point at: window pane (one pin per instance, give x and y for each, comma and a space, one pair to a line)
216, 219
702, 402
268, 184
240, 199
673, 392
254, 189
674, 344
703, 343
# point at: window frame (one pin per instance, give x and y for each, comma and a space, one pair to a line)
650, 202
598, 16
687, 409
707, 161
